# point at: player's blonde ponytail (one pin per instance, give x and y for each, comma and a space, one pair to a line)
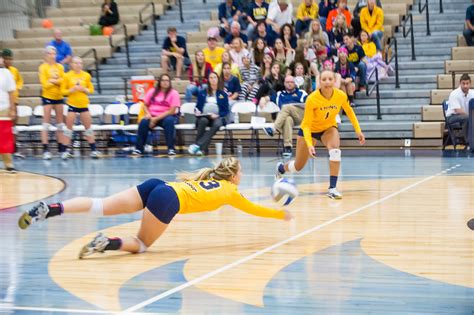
225, 170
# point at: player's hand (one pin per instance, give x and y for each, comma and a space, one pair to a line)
361, 137
312, 151
288, 215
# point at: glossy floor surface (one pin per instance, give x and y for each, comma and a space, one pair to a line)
397, 243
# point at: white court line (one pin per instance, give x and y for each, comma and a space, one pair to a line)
244, 175
265, 250
62, 310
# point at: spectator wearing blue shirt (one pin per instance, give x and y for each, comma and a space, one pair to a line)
469, 27
356, 56
63, 49
234, 33
266, 33
229, 11
325, 6
212, 108
291, 102
174, 52
258, 11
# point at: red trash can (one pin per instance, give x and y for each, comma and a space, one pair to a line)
140, 85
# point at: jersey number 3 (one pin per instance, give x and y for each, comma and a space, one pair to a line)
210, 185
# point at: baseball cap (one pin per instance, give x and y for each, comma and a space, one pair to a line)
7, 53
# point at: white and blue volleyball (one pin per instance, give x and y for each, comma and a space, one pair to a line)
284, 191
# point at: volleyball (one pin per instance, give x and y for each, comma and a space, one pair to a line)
284, 191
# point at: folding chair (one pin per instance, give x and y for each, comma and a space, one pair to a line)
237, 109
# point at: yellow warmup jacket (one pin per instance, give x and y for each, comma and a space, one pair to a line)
371, 22
77, 99
47, 72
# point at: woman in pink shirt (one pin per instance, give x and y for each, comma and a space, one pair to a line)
161, 108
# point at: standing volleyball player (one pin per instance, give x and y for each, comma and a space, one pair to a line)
319, 123
77, 86
205, 190
51, 76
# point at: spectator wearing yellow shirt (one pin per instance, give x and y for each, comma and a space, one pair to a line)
51, 76
212, 53
371, 21
77, 86
306, 13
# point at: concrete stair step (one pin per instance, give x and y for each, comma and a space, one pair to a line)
425, 71
423, 58
409, 65
133, 59
416, 86
387, 110
380, 125
398, 93
379, 135
410, 79
416, 101
127, 72
392, 117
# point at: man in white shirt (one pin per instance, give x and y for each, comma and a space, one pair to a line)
458, 104
279, 14
7, 106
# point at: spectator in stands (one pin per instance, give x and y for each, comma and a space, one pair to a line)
458, 104
234, 68
280, 14
250, 79
356, 56
235, 33
302, 80
315, 32
212, 109
174, 51
267, 62
51, 75
212, 53
288, 36
161, 108
270, 86
291, 102
371, 21
63, 50
231, 85
265, 33
229, 11
77, 85
329, 65
373, 57
238, 51
306, 13
355, 23
7, 107
341, 9
282, 55
347, 72
198, 73
340, 28
109, 13
469, 25
258, 51
325, 6
258, 12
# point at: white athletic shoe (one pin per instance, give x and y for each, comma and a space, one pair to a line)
47, 155
36, 214
95, 154
334, 194
97, 245
66, 155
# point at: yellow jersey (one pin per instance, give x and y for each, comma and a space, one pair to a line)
208, 195
320, 113
77, 99
18, 81
213, 57
46, 73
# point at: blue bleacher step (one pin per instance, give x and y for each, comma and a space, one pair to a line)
134, 60
379, 134
416, 101
424, 58
439, 64
125, 72
417, 86
387, 109
403, 79
373, 117
397, 93
379, 125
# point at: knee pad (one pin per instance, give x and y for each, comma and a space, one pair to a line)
89, 132
335, 155
143, 247
97, 207
67, 132
46, 126
61, 127
292, 167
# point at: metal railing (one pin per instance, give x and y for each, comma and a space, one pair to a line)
394, 46
375, 86
441, 10
93, 51
180, 3
425, 8
125, 38
153, 18
407, 18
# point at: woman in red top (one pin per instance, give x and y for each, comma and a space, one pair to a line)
161, 107
198, 74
